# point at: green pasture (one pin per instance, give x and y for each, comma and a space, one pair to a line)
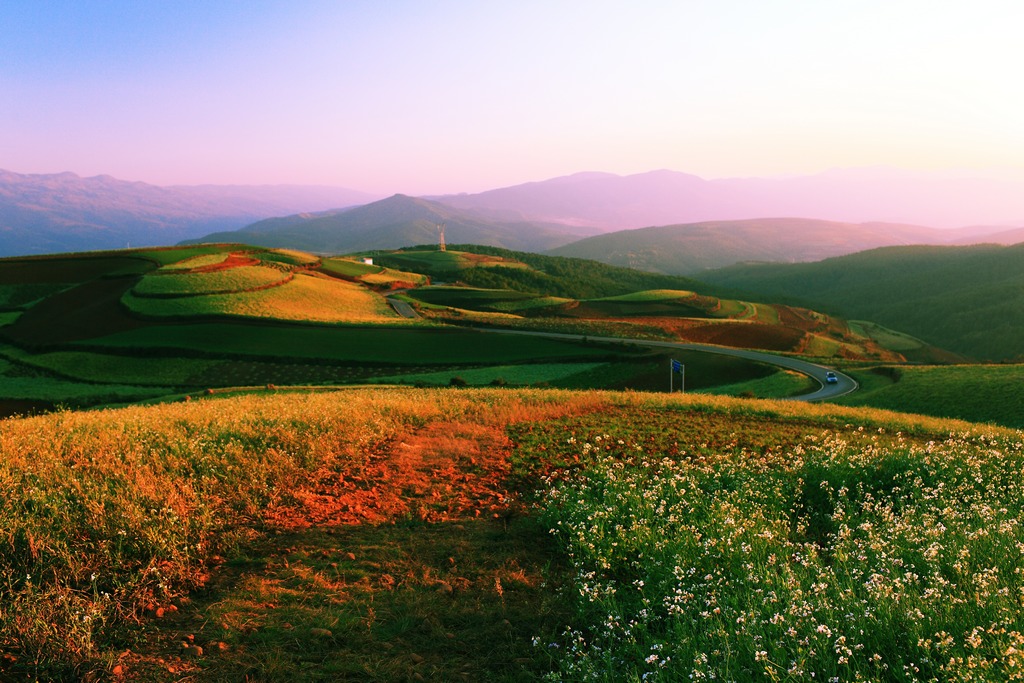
467, 297
356, 344
237, 279
23, 295
731, 308
429, 262
8, 317
70, 270
978, 393
766, 314
200, 261
348, 268
777, 385
20, 382
516, 375
291, 257
302, 298
99, 367
650, 295
521, 305
370, 274
821, 347
167, 255
890, 339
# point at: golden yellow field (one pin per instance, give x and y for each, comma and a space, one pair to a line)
306, 298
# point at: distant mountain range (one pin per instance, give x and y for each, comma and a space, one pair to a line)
608, 202
65, 212
832, 213
690, 249
394, 222
553, 215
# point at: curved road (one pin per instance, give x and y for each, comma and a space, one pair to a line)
844, 384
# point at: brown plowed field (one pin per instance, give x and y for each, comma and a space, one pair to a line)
747, 336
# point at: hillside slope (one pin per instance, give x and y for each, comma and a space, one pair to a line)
391, 223
691, 248
966, 299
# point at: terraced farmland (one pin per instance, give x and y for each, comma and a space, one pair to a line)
298, 297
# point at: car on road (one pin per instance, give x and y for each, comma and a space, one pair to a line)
830, 377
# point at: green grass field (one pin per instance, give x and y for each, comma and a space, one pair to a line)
650, 295
169, 255
422, 261
777, 385
473, 298
890, 339
355, 344
291, 257
199, 261
515, 375
227, 281
23, 295
301, 298
348, 267
24, 383
979, 393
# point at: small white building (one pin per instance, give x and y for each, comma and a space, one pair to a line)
368, 261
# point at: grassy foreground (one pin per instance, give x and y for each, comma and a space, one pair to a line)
383, 534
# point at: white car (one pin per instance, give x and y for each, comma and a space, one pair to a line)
830, 377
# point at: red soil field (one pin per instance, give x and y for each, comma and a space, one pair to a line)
444, 472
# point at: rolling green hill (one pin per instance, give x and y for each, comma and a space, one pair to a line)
575, 278
966, 299
117, 327
389, 224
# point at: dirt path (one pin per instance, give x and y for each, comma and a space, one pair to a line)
409, 569
443, 472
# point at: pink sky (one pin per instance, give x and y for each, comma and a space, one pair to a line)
434, 97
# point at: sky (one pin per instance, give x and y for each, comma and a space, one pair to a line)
446, 96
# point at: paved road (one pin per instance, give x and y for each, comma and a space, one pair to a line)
844, 385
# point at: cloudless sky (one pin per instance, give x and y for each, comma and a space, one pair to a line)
436, 96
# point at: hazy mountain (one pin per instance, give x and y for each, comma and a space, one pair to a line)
966, 299
690, 249
391, 223
608, 201
991, 235
65, 212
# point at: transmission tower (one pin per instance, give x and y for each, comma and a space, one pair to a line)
440, 232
